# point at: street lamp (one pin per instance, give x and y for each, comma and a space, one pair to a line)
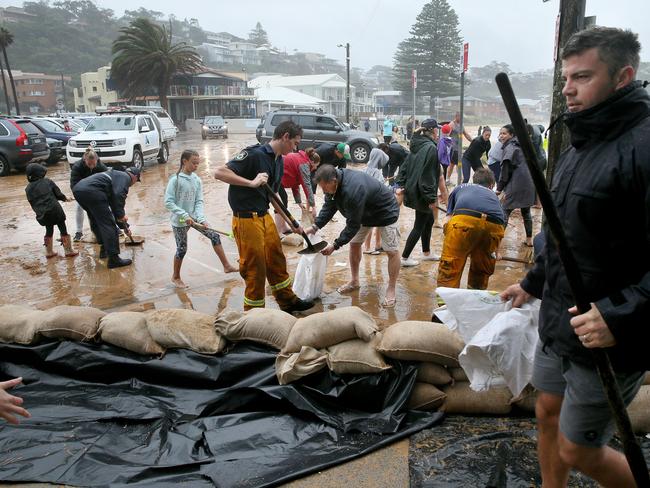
347, 86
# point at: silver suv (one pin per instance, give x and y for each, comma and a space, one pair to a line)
318, 128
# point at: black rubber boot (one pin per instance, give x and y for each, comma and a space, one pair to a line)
115, 261
102, 252
299, 305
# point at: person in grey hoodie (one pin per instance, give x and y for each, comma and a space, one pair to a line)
184, 199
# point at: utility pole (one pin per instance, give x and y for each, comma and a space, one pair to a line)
347, 86
414, 80
463, 68
570, 20
63, 90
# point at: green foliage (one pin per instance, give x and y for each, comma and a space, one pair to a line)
258, 35
433, 49
145, 57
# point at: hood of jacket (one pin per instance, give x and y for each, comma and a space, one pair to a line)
610, 118
35, 171
418, 141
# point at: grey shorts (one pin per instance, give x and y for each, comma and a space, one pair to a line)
389, 236
585, 417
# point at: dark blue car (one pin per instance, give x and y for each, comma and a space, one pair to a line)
53, 130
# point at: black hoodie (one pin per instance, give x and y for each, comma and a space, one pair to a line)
601, 189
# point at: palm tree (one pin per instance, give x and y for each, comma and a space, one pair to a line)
6, 39
4, 85
144, 56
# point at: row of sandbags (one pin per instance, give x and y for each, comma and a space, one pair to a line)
143, 333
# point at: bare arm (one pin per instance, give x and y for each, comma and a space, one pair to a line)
227, 175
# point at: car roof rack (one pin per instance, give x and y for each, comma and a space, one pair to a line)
126, 109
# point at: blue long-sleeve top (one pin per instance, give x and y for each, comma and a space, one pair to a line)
184, 199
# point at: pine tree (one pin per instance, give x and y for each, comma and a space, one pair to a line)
433, 50
258, 35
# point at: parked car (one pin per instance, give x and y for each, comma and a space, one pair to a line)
57, 151
21, 143
125, 137
317, 129
52, 129
214, 126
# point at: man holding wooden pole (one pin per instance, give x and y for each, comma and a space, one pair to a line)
601, 189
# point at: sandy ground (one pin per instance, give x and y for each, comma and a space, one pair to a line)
32, 279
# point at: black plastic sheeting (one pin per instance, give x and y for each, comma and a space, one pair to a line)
494, 452
104, 416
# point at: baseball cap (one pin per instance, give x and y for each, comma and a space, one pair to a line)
430, 124
344, 149
446, 129
134, 171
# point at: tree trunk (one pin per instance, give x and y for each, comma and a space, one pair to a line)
162, 95
11, 80
4, 85
572, 19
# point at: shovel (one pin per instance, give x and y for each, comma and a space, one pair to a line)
132, 241
286, 215
230, 235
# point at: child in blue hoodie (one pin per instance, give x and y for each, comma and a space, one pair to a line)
184, 199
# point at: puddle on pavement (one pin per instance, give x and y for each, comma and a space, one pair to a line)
31, 278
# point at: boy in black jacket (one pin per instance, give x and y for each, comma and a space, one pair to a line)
43, 195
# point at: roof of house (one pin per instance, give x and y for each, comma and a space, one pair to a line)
285, 96
328, 80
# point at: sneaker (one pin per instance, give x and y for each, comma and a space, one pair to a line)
431, 257
77, 237
408, 263
299, 305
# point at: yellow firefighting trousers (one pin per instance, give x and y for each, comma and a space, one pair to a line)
260, 259
473, 237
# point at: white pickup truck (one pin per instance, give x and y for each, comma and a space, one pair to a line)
127, 137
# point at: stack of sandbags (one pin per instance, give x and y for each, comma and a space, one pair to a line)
435, 346
70, 322
462, 399
187, 329
343, 339
264, 325
129, 330
19, 324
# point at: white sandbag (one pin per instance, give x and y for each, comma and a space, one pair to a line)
19, 324
187, 329
310, 274
502, 352
356, 357
71, 322
421, 341
434, 374
471, 309
426, 397
264, 325
324, 329
290, 367
128, 330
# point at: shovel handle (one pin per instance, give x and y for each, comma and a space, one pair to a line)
287, 215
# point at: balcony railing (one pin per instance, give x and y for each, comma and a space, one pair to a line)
208, 91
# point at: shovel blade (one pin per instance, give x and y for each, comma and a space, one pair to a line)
318, 247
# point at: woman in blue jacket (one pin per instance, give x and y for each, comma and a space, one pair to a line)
184, 199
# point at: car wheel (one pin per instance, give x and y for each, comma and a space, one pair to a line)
4, 166
51, 160
137, 159
163, 155
360, 152
225, 136
203, 136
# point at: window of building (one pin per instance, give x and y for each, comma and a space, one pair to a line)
94, 88
194, 90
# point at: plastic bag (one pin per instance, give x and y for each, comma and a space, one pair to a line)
469, 310
502, 352
310, 274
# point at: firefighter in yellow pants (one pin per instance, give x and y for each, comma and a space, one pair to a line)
474, 229
261, 258
260, 252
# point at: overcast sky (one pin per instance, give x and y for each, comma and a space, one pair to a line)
519, 32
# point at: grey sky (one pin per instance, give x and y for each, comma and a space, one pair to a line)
519, 32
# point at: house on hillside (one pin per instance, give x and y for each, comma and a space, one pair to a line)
96, 90
39, 92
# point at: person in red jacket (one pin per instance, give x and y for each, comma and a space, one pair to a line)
297, 172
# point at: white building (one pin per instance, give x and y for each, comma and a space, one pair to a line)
94, 91
330, 88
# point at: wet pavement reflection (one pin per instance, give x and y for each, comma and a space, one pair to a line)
30, 278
